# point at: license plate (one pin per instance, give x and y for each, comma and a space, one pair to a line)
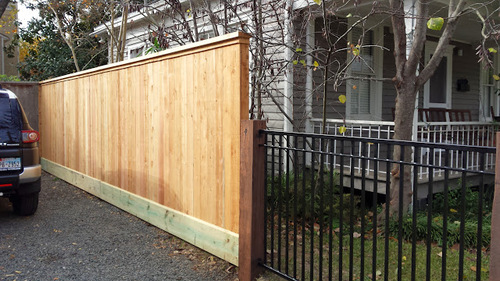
10, 164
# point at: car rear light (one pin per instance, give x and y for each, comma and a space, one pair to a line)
30, 136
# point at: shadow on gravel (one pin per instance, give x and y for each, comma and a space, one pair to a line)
76, 236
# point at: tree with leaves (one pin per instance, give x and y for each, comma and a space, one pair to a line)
45, 52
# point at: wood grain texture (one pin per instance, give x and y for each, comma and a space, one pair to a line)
165, 127
252, 198
495, 220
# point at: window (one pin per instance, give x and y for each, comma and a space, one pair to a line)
136, 52
489, 96
437, 91
364, 95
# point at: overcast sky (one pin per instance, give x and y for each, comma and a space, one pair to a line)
25, 15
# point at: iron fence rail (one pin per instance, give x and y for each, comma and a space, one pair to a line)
319, 228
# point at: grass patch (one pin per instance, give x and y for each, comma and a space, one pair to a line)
360, 252
311, 218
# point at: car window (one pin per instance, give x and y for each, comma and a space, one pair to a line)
10, 120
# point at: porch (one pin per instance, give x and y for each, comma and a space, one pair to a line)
435, 138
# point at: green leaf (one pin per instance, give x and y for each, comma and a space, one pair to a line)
435, 23
298, 50
295, 62
317, 2
303, 62
492, 50
355, 50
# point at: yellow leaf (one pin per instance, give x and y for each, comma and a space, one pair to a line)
496, 77
435, 23
303, 62
342, 98
342, 129
349, 15
453, 211
188, 11
295, 62
492, 50
298, 50
355, 50
317, 2
404, 258
316, 64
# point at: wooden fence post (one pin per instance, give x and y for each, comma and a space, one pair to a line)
495, 217
252, 196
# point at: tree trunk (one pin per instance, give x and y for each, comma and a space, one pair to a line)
403, 128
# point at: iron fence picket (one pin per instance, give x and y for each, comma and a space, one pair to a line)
349, 164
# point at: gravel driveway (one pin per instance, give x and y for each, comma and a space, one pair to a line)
76, 236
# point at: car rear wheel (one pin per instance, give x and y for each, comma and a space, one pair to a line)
25, 205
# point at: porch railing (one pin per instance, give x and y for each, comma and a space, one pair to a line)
461, 133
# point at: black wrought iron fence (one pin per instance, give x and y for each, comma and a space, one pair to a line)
326, 220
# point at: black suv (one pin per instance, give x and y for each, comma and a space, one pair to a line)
20, 169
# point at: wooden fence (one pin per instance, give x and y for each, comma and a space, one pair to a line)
158, 136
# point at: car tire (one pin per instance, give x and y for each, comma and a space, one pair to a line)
25, 205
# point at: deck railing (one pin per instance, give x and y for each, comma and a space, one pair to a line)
461, 133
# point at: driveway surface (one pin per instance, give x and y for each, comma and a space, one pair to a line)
76, 236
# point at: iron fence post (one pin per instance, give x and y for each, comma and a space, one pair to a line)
252, 196
495, 217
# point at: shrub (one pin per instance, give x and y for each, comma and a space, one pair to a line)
316, 200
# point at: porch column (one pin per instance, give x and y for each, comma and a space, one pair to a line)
309, 78
288, 88
410, 28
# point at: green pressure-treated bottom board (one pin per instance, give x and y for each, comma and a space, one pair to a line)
213, 239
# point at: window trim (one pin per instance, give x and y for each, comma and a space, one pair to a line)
430, 47
484, 113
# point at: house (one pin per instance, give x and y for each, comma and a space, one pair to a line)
288, 60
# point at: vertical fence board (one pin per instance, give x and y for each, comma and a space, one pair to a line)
165, 127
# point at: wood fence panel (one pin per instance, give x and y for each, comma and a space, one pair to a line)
165, 128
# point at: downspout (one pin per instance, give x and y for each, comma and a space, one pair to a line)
288, 88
